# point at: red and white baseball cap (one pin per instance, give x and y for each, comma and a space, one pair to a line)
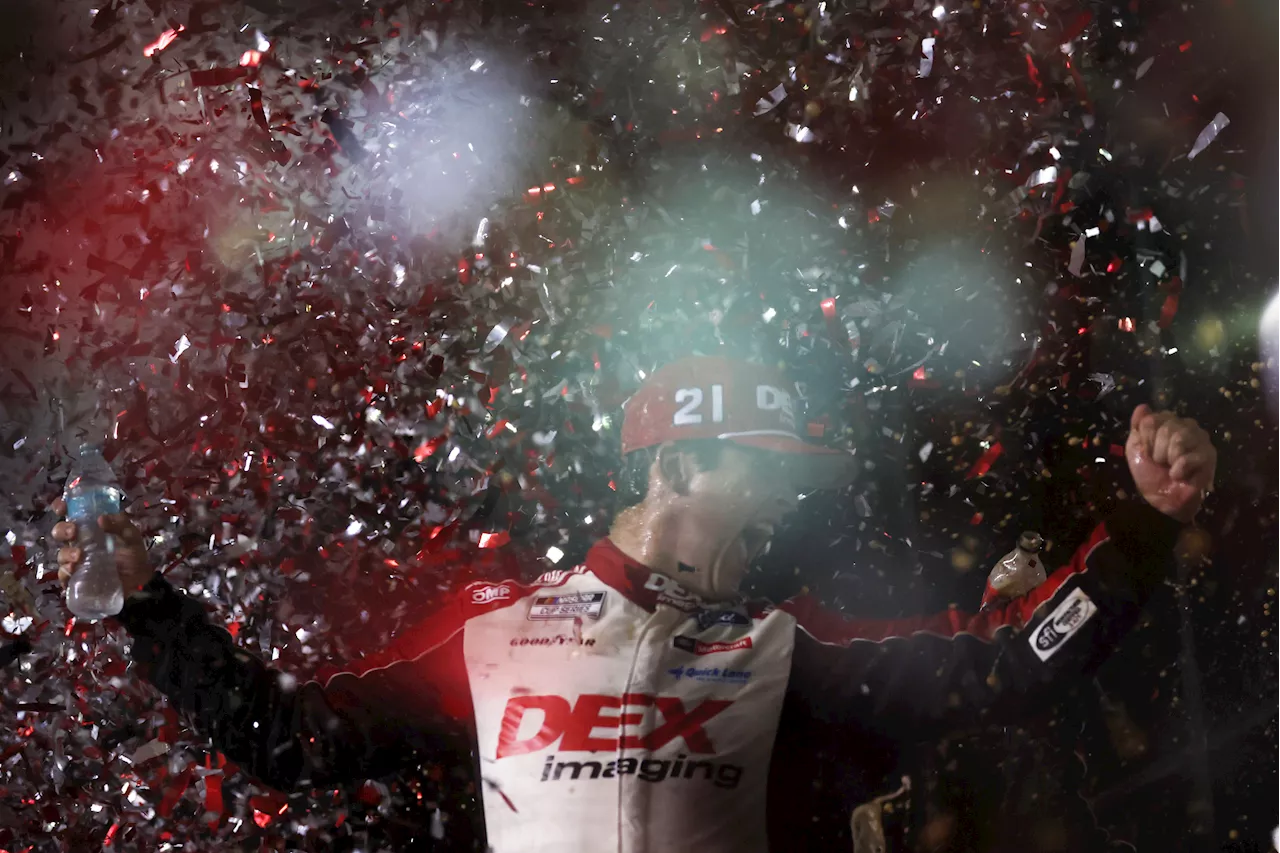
751, 405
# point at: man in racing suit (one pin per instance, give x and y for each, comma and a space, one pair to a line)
632, 703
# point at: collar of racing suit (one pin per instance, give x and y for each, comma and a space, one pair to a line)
643, 585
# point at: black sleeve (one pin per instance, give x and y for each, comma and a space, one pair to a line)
922, 678
288, 735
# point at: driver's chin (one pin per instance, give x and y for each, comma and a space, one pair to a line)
732, 568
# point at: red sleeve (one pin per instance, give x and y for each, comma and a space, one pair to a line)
430, 653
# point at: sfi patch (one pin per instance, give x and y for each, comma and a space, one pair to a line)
568, 606
1076, 609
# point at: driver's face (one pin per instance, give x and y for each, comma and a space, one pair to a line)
737, 506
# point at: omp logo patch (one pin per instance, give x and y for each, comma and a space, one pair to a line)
1076, 609
489, 593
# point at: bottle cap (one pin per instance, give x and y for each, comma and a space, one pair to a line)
1031, 541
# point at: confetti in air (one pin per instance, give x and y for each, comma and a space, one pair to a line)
354, 293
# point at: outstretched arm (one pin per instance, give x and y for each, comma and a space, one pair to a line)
291, 735
921, 677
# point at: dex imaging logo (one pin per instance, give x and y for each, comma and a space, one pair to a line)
598, 722
606, 725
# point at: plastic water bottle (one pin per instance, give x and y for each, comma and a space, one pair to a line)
95, 591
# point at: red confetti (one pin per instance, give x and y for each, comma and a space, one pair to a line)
494, 540
839, 336
1076, 27
175, 791
1168, 310
428, 447
983, 465
1032, 72
267, 807
213, 805
166, 38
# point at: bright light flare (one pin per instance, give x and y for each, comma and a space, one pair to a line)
462, 139
1269, 350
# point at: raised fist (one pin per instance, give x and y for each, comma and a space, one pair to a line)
1172, 461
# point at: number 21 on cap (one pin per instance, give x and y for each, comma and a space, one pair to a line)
690, 399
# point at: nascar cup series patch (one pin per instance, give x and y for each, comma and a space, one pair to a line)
568, 606
1054, 631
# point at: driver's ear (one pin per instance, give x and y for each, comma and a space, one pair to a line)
674, 468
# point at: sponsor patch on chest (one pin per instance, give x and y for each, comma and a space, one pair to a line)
708, 619
711, 674
695, 646
567, 606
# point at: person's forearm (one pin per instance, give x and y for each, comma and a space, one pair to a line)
288, 735
1145, 537
235, 699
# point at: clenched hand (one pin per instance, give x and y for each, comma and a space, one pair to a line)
1172, 461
